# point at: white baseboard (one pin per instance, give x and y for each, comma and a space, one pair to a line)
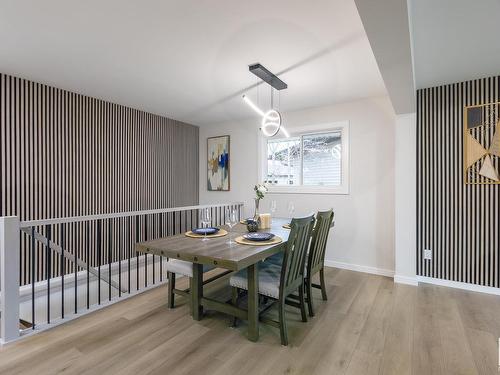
408, 280
459, 285
360, 268
413, 280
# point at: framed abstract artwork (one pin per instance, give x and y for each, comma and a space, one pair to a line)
218, 163
482, 144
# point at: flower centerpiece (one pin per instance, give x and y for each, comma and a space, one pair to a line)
260, 192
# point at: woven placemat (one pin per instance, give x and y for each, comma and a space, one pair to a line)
220, 233
243, 241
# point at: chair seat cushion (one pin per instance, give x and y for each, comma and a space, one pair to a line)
183, 267
269, 280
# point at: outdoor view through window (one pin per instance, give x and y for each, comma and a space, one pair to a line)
306, 160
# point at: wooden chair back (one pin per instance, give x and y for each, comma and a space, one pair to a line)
292, 270
319, 239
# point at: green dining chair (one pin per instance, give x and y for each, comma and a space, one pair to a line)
316, 258
278, 282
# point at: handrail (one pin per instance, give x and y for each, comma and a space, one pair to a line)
107, 245
76, 219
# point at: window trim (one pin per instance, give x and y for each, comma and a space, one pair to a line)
343, 189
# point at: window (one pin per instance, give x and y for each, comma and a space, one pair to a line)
283, 161
312, 162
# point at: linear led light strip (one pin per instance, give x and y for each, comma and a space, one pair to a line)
270, 119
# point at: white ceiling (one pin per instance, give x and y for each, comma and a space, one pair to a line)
454, 40
387, 27
189, 59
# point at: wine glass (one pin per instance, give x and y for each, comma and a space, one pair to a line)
291, 210
273, 207
231, 221
205, 220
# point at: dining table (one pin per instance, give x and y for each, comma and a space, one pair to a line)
218, 252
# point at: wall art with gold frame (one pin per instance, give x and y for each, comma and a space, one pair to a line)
482, 144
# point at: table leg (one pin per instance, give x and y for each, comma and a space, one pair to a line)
253, 302
197, 291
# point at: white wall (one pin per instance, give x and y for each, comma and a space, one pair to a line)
364, 230
406, 199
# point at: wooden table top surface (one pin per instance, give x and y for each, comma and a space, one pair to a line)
217, 251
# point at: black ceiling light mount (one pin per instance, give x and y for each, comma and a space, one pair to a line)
271, 119
268, 77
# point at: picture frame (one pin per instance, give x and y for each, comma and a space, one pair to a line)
218, 163
481, 144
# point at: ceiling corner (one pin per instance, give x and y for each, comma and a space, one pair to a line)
387, 27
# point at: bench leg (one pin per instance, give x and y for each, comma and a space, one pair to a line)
171, 287
234, 301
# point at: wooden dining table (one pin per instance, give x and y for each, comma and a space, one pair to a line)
218, 252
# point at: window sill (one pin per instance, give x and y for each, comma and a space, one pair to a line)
319, 190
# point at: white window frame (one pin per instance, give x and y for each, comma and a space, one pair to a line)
343, 127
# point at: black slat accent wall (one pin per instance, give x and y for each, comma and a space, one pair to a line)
458, 222
65, 154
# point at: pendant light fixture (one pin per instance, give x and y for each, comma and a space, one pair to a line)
271, 123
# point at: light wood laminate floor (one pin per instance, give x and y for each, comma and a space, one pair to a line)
369, 325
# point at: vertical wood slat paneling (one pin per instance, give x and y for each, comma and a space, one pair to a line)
65, 154
458, 222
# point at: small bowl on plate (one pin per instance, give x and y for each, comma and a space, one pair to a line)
258, 236
205, 231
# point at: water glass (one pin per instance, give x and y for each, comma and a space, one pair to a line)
273, 207
291, 209
205, 220
231, 221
